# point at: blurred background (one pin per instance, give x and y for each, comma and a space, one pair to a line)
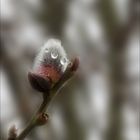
102, 101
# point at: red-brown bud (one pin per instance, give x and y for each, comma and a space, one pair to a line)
38, 82
42, 119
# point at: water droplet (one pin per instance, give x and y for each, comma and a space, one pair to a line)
54, 54
46, 50
63, 61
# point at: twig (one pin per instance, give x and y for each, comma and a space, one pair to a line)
35, 121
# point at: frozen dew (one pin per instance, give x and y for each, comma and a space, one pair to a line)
63, 61
54, 54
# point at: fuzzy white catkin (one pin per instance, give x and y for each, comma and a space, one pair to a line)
52, 53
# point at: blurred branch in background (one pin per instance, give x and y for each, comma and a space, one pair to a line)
117, 36
53, 16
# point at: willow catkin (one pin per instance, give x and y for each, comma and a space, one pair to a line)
51, 61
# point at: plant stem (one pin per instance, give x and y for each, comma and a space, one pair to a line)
45, 103
33, 123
